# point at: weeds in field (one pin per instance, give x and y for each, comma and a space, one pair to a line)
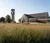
25, 35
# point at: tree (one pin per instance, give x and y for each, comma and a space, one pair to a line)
2, 19
8, 19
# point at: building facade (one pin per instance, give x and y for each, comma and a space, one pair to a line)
38, 17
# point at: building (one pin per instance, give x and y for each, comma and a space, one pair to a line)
38, 17
13, 14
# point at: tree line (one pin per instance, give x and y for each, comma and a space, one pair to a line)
6, 19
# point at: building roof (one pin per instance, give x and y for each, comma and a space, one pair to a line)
44, 14
29, 16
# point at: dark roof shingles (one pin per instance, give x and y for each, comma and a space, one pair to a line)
45, 14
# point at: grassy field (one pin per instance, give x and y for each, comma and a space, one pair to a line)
23, 33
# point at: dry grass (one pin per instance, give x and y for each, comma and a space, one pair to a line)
22, 33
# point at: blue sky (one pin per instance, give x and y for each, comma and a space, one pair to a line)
23, 6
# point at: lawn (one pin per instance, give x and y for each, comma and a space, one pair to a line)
24, 33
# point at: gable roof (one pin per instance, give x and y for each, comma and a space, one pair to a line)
28, 16
44, 14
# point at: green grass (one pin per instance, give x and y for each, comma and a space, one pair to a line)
22, 33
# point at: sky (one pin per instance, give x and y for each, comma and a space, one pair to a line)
23, 7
